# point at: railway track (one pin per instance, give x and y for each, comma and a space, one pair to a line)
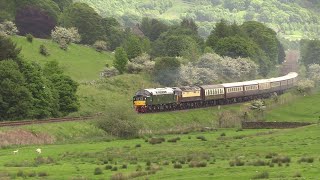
51, 120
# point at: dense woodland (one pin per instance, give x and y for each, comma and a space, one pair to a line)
290, 18
175, 52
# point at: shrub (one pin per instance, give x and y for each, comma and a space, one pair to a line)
281, 159
119, 121
236, 162
63, 45
202, 138
305, 86
43, 50
8, 28
173, 139
156, 140
165, 163
223, 134
97, 171
20, 173
118, 176
193, 164
263, 175
177, 166
32, 174
115, 168
139, 168
306, 159
297, 175
42, 174
270, 155
100, 46
138, 145
108, 167
148, 163
29, 38
124, 166
259, 163
109, 72
70, 35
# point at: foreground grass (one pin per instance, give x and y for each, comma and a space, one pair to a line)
216, 152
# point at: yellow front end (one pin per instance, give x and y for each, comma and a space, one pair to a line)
139, 103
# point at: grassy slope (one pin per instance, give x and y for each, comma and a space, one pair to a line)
81, 159
80, 62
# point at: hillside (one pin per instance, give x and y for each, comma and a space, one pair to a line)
291, 19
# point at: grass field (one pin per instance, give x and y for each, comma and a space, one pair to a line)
215, 154
80, 62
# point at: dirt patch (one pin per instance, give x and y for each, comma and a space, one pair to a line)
23, 137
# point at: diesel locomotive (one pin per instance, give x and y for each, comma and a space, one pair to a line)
187, 97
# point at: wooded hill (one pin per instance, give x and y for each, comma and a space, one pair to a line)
293, 19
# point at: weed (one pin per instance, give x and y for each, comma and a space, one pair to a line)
97, 171
20, 173
139, 168
174, 139
281, 159
124, 166
42, 174
118, 176
271, 155
29, 37
177, 166
138, 145
32, 174
108, 167
263, 175
165, 163
202, 138
223, 134
193, 164
297, 175
148, 163
156, 140
306, 159
189, 137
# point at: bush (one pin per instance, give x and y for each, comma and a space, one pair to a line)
263, 175
115, 168
281, 159
100, 46
108, 167
29, 38
305, 86
236, 162
270, 155
20, 173
42, 174
306, 159
156, 140
202, 138
8, 28
109, 72
124, 166
193, 164
63, 45
119, 121
70, 35
259, 163
43, 50
138, 145
119, 176
223, 134
97, 171
174, 139
177, 166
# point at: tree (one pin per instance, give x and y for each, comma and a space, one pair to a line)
69, 35
166, 70
8, 49
15, 98
133, 46
86, 20
121, 60
63, 86
152, 28
37, 17
45, 98
100, 46
190, 24
8, 28
63, 3
310, 51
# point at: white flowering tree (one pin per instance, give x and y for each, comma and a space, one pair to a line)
211, 68
65, 36
141, 63
8, 28
305, 86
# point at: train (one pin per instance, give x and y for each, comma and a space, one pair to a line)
188, 97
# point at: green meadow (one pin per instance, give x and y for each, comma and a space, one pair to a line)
79, 150
221, 154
